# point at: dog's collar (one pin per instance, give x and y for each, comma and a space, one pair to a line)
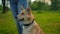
29, 23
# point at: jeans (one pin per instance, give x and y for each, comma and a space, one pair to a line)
15, 7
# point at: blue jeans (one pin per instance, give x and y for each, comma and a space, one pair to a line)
15, 7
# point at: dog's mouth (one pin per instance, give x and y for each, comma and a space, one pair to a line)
21, 19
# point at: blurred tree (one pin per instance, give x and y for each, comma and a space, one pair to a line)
0, 7
34, 5
4, 6
39, 6
55, 4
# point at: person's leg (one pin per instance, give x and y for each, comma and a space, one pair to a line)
13, 5
23, 3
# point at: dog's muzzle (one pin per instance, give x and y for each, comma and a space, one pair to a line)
19, 19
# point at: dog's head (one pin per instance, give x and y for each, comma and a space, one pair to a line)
25, 14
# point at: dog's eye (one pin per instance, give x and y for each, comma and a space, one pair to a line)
22, 13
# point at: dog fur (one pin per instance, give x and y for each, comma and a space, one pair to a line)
28, 18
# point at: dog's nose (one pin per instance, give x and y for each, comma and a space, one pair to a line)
16, 17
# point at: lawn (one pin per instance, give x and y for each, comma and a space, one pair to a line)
49, 21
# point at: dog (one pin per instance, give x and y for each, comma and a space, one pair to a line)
29, 25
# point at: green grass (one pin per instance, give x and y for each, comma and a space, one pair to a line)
47, 20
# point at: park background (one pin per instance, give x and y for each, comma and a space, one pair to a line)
46, 14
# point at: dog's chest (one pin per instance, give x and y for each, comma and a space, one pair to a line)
27, 30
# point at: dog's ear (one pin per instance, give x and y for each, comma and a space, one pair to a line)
21, 7
29, 10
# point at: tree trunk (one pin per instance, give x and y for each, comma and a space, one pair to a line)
4, 7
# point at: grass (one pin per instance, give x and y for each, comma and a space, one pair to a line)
47, 20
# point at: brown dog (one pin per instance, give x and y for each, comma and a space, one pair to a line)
30, 26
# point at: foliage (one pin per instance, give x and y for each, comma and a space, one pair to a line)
0, 7
55, 5
7, 9
39, 6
